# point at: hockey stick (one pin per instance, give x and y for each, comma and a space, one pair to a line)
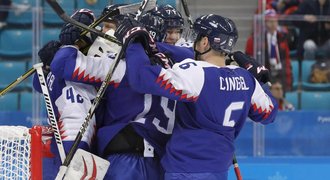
90, 114
187, 12
17, 81
97, 99
100, 92
61, 13
236, 168
50, 110
143, 6
126, 9
131, 8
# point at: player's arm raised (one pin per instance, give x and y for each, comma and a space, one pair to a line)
75, 66
264, 105
176, 53
175, 83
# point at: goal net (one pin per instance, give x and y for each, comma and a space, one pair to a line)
20, 152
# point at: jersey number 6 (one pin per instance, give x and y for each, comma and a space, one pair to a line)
232, 107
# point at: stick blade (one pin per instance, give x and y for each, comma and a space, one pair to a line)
133, 8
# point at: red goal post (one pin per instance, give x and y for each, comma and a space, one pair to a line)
21, 151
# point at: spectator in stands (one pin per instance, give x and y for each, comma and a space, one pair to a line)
284, 6
278, 93
6, 5
313, 33
325, 48
277, 53
320, 70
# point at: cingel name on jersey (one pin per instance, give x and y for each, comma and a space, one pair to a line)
233, 83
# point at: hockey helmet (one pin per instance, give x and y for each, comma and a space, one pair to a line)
154, 24
102, 46
160, 19
114, 19
220, 31
85, 16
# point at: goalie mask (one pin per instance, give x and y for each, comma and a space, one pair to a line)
220, 31
101, 46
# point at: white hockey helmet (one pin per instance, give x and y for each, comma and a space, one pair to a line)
101, 46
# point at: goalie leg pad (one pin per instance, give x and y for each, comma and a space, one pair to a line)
85, 165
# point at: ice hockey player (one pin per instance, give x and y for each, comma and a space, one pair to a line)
133, 139
71, 101
214, 100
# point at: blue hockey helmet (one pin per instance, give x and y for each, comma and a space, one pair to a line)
220, 31
163, 18
154, 24
109, 8
84, 15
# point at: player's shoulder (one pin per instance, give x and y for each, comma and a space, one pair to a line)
232, 67
67, 50
236, 69
193, 64
184, 43
185, 64
63, 55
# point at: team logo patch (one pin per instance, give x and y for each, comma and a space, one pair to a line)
217, 40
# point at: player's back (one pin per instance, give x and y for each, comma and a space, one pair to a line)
213, 120
152, 117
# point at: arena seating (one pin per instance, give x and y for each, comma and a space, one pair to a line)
10, 71
50, 18
97, 8
9, 102
315, 100
293, 98
25, 100
16, 43
306, 85
49, 34
295, 73
21, 15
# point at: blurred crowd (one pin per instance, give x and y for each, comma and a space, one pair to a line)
295, 30
6, 6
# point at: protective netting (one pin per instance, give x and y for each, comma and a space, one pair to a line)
14, 152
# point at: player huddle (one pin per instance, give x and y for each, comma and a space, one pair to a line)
169, 112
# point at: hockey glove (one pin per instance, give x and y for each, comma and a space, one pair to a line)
162, 60
259, 71
48, 51
131, 30
70, 34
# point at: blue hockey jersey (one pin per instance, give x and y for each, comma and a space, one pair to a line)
151, 116
213, 103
